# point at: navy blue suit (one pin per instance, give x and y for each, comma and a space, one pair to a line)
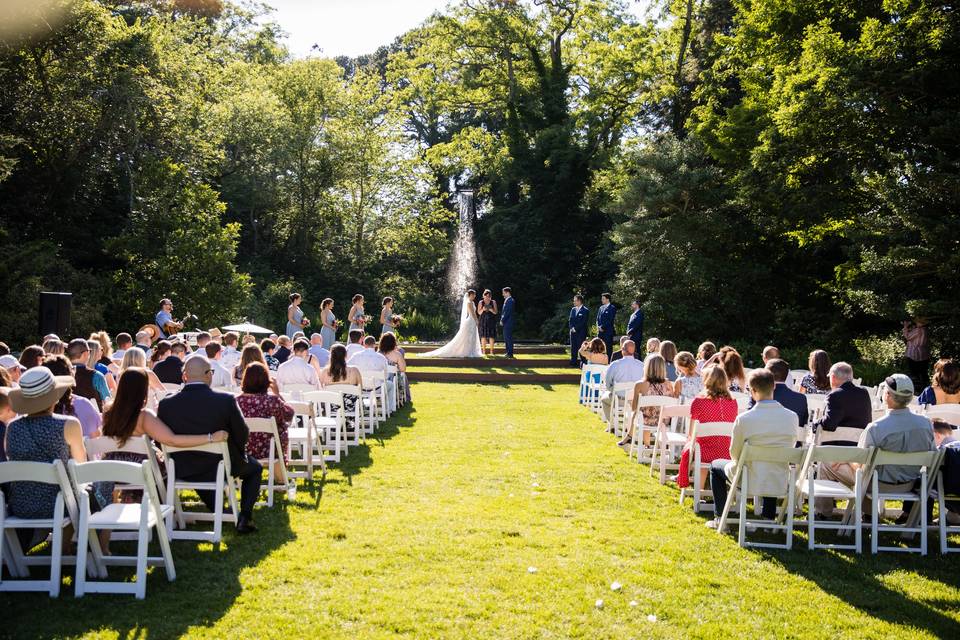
635, 330
790, 399
605, 319
506, 321
578, 331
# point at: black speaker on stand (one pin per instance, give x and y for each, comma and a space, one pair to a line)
55, 313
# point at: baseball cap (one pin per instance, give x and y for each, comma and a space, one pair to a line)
900, 385
9, 362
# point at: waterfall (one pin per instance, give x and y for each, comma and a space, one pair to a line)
463, 263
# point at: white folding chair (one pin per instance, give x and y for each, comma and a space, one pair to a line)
64, 513
274, 457
948, 412
697, 465
223, 483
790, 458
669, 436
946, 529
393, 379
375, 397
928, 462
812, 487
586, 380
644, 451
816, 406
171, 388
797, 376
357, 419
618, 404
596, 385
143, 517
296, 391
743, 400
329, 422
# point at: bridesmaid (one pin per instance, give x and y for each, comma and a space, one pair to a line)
386, 326
356, 313
294, 315
328, 329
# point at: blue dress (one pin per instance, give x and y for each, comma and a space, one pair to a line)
329, 335
37, 439
298, 319
354, 321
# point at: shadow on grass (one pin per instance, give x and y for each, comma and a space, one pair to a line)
207, 585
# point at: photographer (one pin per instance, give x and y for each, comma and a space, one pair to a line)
918, 349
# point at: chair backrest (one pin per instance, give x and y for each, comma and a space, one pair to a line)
656, 401
109, 471
675, 411
327, 396
297, 389
914, 459
707, 429
779, 455
841, 434
948, 412
392, 368
303, 408
225, 389
622, 388
22, 471
105, 444
798, 375
261, 425
826, 453
171, 388
372, 378
215, 448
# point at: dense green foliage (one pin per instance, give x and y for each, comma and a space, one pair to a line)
754, 170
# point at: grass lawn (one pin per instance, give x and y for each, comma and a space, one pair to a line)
492, 369
429, 531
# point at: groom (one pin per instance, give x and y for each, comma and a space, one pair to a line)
506, 319
577, 321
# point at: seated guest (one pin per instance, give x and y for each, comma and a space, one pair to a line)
256, 402
782, 393
203, 339
338, 372
54, 347
124, 342
7, 415
619, 354
706, 351
249, 339
32, 357
626, 369
943, 433
4, 349
297, 370
653, 346
370, 360
40, 436
96, 362
653, 383
669, 352
818, 380
767, 424
160, 353
944, 436
251, 353
90, 382
594, 351
136, 358
70, 404
847, 404
944, 386
231, 356
170, 369
317, 351
354, 347
689, 384
221, 377
390, 349
102, 338
732, 364
11, 367
144, 343
198, 409
713, 404
770, 353
268, 346
283, 352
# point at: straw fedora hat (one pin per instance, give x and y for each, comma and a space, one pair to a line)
39, 390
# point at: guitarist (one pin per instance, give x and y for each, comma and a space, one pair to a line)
165, 319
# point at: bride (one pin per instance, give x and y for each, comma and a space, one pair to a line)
466, 344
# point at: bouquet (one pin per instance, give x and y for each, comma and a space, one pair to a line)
395, 320
363, 320
305, 322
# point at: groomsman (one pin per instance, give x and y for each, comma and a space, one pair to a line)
605, 319
506, 320
579, 316
635, 326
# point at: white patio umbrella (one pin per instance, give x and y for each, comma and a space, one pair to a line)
246, 327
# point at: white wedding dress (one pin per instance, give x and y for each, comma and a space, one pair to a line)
466, 344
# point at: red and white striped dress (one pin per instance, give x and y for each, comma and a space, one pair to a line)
711, 447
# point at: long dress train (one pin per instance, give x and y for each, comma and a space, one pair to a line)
466, 343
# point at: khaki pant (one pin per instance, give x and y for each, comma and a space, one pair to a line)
842, 472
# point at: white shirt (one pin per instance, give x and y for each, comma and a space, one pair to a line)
118, 354
221, 377
626, 369
368, 360
353, 349
296, 370
230, 358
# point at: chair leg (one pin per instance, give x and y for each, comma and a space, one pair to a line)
56, 553
876, 505
922, 505
143, 540
79, 588
218, 506
742, 531
167, 553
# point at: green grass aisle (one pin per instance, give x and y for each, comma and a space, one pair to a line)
430, 530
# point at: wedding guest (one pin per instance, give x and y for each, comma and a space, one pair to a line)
619, 353
606, 317
7, 415
732, 364
338, 372
203, 339
386, 313
249, 338
390, 349
136, 358
916, 336
105, 356
847, 404
160, 353
297, 370
654, 383
943, 433
54, 347
577, 322
767, 424
944, 386
317, 351
90, 383
83, 409
635, 325
769, 353
269, 347
4, 349
713, 404
295, 318
487, 312
689, 383
98, 362
626, 369
231, 356
328, 322
653, 346
782, 392
31, 357
251, 353
39, 435
12, 367
221, 377
283, 351
124, 342
594, 351
256, 402
197, 409
669, 352
144, 342
358, 319
170, 369
818, 380
354, 347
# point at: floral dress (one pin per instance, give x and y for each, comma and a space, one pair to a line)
652, 414
711, 447
809, 385
691, 386
35, 439
264, 405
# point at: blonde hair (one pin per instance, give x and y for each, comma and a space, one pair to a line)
653, 345
668, 350
715, 383
685, 362
132, 358
655, 369
104, 339
706, 350
54, 348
